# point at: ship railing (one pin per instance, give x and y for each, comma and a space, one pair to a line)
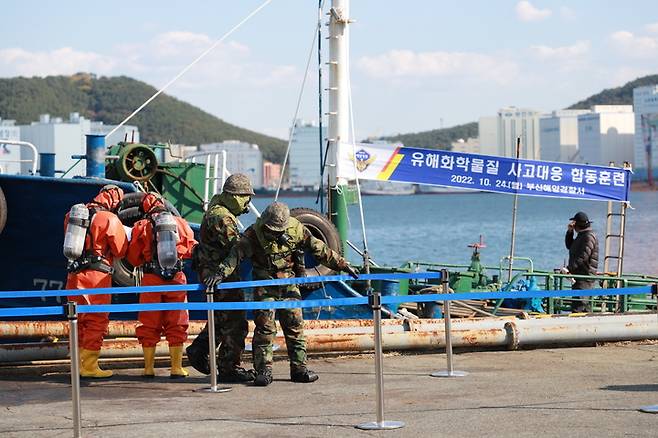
216, 173
30, 146
554, 280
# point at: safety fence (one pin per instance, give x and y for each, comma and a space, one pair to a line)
374, 299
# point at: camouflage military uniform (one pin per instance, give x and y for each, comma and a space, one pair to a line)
219, 232
273, 259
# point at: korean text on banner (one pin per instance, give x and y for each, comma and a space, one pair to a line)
387, 162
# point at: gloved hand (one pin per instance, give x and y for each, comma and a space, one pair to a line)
351, 271
213, 281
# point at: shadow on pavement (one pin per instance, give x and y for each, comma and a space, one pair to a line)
648, 387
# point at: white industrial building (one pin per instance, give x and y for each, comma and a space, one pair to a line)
468, 146
9, 154
67, 138
488, 134
606, 135
645, 103
498, 134
241, 157
558, 136
305, 155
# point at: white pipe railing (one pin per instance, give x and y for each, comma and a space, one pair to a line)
35, 153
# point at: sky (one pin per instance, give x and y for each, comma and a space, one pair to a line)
415, 65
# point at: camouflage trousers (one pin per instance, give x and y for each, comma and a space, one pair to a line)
231, 329
292, 324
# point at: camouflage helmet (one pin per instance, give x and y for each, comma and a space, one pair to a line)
276, 216
238, 184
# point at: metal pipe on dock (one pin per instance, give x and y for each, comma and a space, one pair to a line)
397, 335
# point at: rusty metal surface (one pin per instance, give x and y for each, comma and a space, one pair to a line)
357, 335
43, 329
322, 336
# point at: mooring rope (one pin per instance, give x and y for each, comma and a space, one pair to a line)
189, 66
299, 103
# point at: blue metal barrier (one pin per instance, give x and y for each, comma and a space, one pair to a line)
222, 286
290, 304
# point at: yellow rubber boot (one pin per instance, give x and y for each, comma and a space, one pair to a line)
176, 355
149, 361
89, 365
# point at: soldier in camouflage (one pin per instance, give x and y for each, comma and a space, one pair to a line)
272, 244
219, 232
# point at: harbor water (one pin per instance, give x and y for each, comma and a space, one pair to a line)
438, 228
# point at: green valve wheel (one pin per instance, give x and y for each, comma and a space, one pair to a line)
137, 162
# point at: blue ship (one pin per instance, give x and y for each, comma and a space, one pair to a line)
32, 209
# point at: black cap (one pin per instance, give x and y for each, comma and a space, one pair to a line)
580, 217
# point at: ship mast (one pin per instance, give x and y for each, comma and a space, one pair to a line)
338, 115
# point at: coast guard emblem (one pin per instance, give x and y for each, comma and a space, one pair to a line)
362, 159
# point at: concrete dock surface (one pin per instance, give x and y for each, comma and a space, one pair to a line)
580, 392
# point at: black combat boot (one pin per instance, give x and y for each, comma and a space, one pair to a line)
236, 375
198, 358
263, 377
303, 375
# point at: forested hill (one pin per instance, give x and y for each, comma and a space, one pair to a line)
111, 99
437, 138
616, 96
441, 138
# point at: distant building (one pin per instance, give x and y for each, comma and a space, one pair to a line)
305, 155
498, 134
558, 136
66, 138
488, 132
9, 154
241, 157
606, 135
645, 103
468, 146
271, 175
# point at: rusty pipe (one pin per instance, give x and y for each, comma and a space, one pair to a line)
421, 334
59, 329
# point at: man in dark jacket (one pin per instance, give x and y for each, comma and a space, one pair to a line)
583, 255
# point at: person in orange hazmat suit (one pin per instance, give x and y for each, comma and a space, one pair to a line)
102, 239
158, 245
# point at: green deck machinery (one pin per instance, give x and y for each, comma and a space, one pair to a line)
182, 183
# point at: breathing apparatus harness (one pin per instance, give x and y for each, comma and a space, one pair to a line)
88, 260
154, 266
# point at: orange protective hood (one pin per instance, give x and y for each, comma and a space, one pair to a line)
109, 197
152, 202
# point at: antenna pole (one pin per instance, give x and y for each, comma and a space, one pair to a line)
516, 206
338, 114
321, 137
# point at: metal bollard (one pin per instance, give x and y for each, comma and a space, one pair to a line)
652, 409
72, 315
380, 424
212, 351
450, 371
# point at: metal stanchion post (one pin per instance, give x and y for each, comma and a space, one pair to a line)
72, 315
450, 372
380, 424
212, 350
652, 409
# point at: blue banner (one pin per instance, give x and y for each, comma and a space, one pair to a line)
482, 172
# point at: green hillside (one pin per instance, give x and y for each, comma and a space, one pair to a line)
616, 96
111, 99
437, 138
